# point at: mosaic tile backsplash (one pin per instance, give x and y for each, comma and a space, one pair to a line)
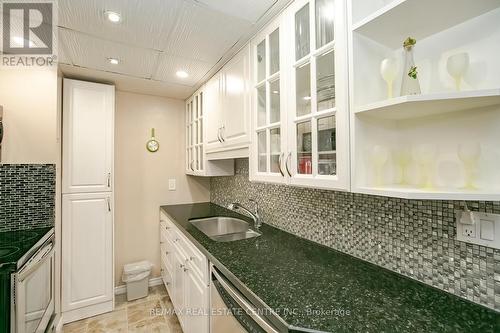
27, 196
415, 238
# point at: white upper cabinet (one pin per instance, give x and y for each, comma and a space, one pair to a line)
269, 105
228, 109
88, 122
197, 138
300, 110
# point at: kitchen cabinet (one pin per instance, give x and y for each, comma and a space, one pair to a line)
88, 124
228, 109
87, 199
87, 255
300, 114
197, 163
185, 272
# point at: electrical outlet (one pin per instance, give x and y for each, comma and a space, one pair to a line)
478, 228
469, 230
171, 184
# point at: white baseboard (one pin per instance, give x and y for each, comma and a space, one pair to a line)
152, 282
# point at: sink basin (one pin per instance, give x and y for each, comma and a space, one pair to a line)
224, 229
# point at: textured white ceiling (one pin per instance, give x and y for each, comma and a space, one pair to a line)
154, 40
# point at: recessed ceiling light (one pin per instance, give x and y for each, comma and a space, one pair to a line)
113, 61
113, 16
182, 74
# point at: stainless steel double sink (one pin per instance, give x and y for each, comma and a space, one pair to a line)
224, 229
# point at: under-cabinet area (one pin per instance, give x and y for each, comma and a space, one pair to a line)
180, 166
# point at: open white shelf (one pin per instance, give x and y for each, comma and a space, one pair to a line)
399, 19
399, 191
414, 106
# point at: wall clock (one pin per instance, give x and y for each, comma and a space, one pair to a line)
153, 145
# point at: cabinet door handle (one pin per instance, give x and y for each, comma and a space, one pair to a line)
218, 135
109, 204
222, 131
109, 179
279, 162
286, 164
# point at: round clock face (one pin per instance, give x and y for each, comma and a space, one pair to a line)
153, 146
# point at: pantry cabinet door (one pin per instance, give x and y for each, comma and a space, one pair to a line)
318, 129
87, 263
88, 135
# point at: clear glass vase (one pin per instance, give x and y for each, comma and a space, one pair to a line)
409, 83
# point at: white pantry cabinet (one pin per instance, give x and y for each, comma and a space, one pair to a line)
88, 123
87, 255
300, 116
197, 163
228, 109
87, 199
185, 273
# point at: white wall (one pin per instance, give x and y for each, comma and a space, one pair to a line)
29, 100
141, 178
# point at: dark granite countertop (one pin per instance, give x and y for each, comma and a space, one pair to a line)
312, 287
15, 244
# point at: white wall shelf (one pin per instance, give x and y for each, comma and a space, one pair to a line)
426, 194
440, 120
394, 22
414, 106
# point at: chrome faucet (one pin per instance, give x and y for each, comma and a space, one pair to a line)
255, 216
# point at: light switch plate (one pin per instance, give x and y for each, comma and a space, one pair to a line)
485, 229
171, 184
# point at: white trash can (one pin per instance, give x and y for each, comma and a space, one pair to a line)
136, 276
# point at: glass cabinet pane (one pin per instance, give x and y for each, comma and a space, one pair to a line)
275, 101
200, 139
303, 90
275, 149
274, 52
261, 105
262, 151
325, 81
302, 44
324, 22
327, 155
304, 148
190, 136
195, 159
195, 132
261, 61
201, 157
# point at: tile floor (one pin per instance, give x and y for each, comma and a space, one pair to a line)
140, 316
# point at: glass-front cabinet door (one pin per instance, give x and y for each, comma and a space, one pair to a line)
194, 134
317, 122
269, 112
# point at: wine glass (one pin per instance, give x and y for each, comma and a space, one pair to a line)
425, 155
469, 154
457, 65
389, 70
379, 156
402, 157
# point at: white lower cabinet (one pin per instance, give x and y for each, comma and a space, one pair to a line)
185, 273
87, 263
